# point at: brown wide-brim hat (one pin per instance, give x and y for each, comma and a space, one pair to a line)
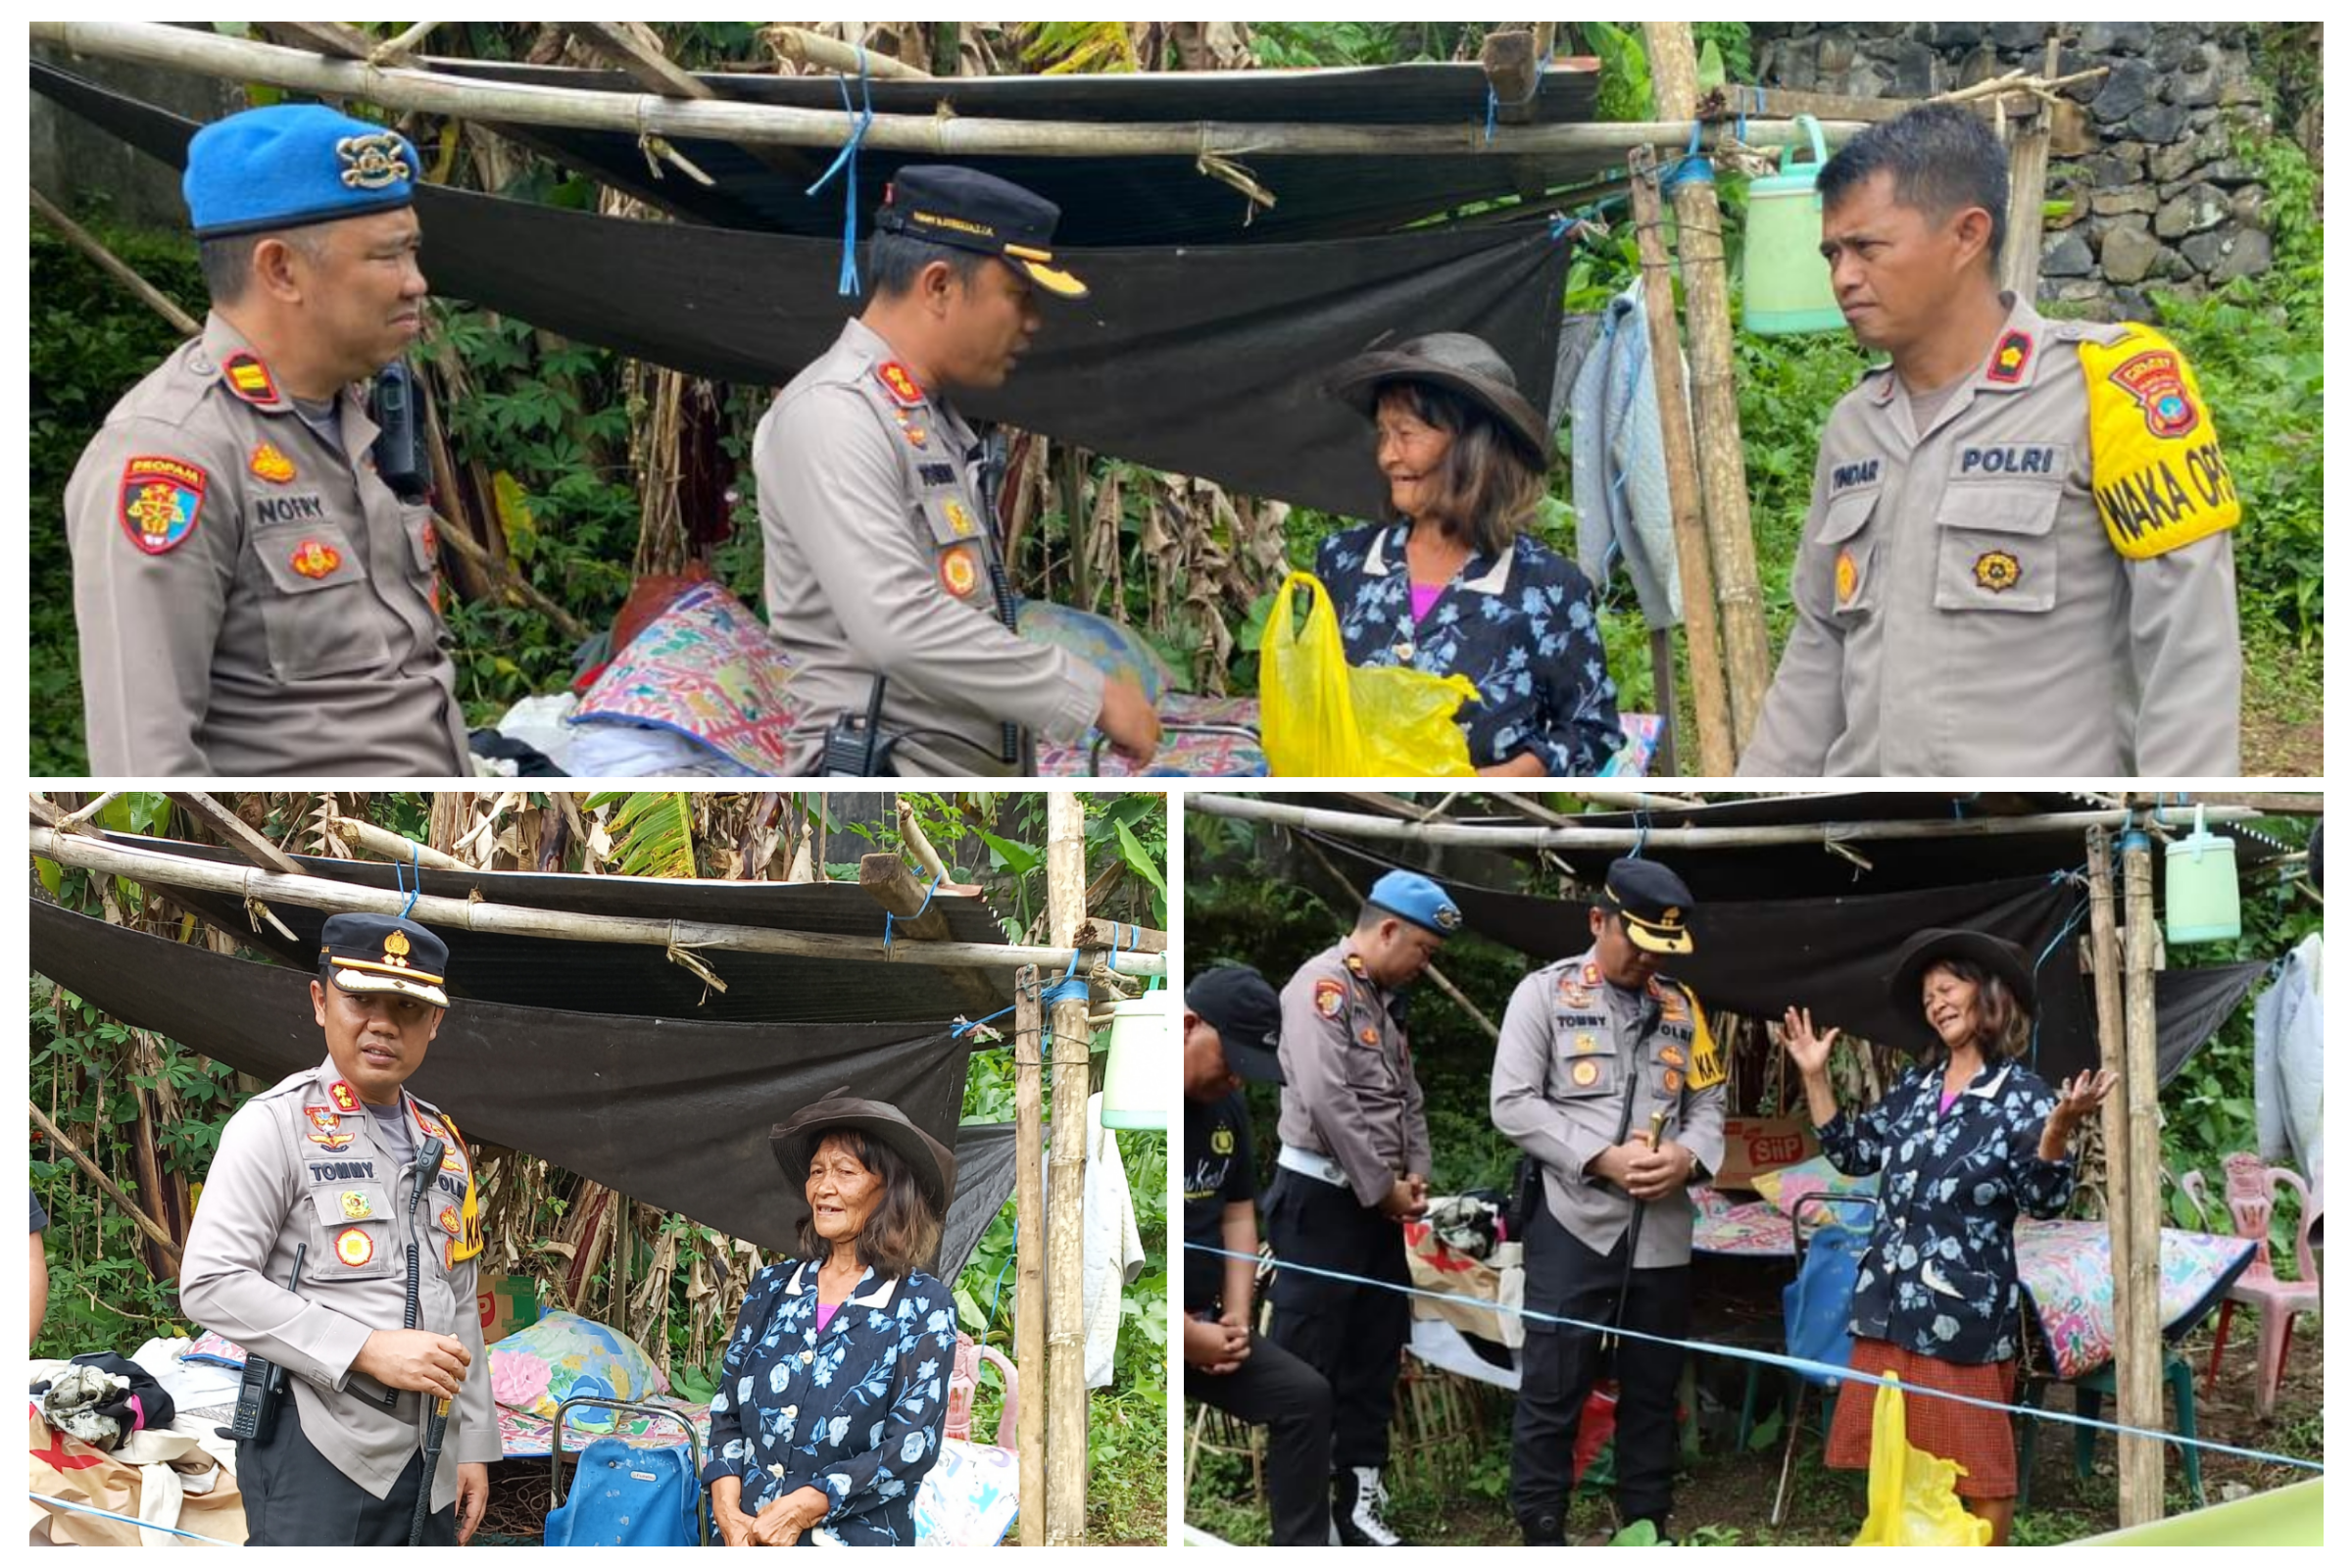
1937, 944
1458, 362
793, 1142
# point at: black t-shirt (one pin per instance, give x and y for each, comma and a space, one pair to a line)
1217, 1172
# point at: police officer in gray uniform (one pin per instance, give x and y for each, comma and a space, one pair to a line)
1353, 1167
1606, 1075
2018, 556
885, 582
333, 1161
252, 597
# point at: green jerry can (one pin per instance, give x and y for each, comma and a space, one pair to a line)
2200, 887
1784, 286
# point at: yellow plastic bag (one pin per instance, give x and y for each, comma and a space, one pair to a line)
1325, 718
1912, 1502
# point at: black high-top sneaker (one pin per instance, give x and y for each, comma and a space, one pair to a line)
1548, 1530
1358, 1502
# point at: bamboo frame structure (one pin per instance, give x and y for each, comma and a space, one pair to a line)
1065, 1193
1029, 1247
774, 125
2138, 1312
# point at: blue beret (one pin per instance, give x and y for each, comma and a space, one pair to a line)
1410, 896
291, 165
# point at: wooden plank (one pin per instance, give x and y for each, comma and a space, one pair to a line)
1120, 937
2029, 189
2138, 1314
887, 881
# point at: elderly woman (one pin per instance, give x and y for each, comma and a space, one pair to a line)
1453, 583
1965, 1141
834, 1389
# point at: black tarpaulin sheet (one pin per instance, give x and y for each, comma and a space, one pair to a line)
641, 981
1106, 201
1201, 361
674, 1113
1759, 957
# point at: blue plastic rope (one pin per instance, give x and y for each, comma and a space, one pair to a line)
1118, 947
1693, 168
1816, 1370
1641, 826
969, 1024
890, 921
1494, 102
860, 120
413, 884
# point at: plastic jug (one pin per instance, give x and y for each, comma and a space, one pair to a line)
1143, 1048
2200, 887
1785, 283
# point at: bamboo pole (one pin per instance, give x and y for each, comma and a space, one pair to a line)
505, 579
775, 124
1715, 396
1354, 824
1029, 1249
2107, 1002
2029, 189
466, 914
1708, 699
383, 841
1065, 1299
233, 832
2138, 1318
804, 48
106, 1184
116, 267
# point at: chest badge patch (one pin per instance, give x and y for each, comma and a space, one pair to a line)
1670, 1055
1584, 1074
1329, 998
1674, 1081
355, 1247
2010, 357
899, 383
1575, 996
1849, 578
1220, 1141
960, 570
269, 464
446, 1219
1368, 1035
1997, 572
960, 520
161, 500
345, 1097
1585, 1044
327, 1128
357, 1207
315, 559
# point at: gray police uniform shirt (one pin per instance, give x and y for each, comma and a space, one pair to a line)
879, 560
1573, 1065
295, 1167
252, 600
1349, 1093
1961, 610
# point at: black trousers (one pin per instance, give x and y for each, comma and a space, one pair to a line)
295, 1497
1558, 1365
1290, 1399
1351, 1333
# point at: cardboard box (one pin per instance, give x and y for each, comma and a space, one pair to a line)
1755, 1143
507, 1303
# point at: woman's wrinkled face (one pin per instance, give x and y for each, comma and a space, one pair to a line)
1950, 1003
1409, 452
842, 1192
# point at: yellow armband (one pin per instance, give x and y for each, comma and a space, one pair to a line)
2156, 463
1706, 1061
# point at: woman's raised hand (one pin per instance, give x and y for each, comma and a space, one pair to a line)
1809, 1051
2079, 1096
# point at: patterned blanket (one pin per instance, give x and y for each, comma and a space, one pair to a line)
706, 668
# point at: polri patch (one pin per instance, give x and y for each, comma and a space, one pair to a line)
162, 499
355, 1247
1329, 998
1999, 572
267, 463
899, 384
446, 1219
315, 559
249, 378
2010, 357
1368, 1035
2153, 377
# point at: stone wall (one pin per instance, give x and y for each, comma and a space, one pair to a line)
2157, 200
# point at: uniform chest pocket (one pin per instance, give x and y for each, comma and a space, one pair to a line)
1585, 1064
354, 1224
321, 617
1996, 548
1850, 545
956, 547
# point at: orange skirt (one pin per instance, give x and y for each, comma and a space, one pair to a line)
1972, 1436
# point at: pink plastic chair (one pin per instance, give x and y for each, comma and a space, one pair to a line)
2251, 1186
964, 1382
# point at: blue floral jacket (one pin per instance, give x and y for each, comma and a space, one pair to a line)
1521, 625
1940, 1276
856, 1410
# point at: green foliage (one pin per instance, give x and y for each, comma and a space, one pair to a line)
90, 343
654, 832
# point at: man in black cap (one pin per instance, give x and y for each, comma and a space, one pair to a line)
1232, 1027
886, 585
1606, 1076
338, 1161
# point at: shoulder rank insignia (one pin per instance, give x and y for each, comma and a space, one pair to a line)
1591, 974
2156, 468
354, 1246
249, 378
899, 384
343, 1096
960, 570
1329, 998
315, 559
2010, 357
162, 499
267, 463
